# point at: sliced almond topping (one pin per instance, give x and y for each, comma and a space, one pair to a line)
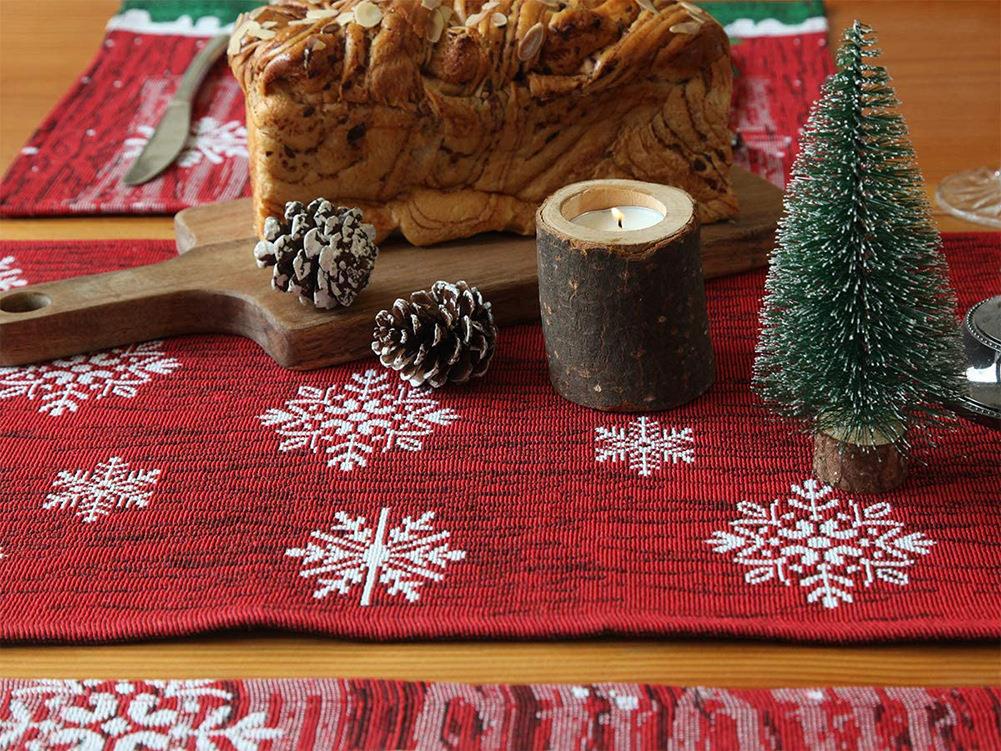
236, 38
498, 20
436, 28
301, 22
686, 27
554, 4
316, 14
531, 43
445, 11
482, 13
345, 18
269, 24
647, 5
318, 44
431, 4
367, 14
247, 28
693, 10
460, 10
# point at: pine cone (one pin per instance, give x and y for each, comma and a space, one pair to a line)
443, 334
325, 254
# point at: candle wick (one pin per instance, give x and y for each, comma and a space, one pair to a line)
619, 216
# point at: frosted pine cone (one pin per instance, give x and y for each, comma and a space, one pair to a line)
323, 253
443, 334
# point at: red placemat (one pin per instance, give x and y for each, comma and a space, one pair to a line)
75, 161
256, 715
191, 484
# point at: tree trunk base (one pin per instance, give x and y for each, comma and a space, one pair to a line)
859, 469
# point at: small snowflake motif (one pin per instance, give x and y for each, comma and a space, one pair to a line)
209, 140
349, 422
10, 276
96, 493
644, 445
61, 386
821, 543
400, 559
93, 715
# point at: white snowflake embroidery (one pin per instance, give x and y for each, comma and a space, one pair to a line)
349, 421
61, 385
401, 558
821, 544
209, 139
109, 486
644, 444
10, 277
95, 715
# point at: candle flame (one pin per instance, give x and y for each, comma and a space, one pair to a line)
618, 215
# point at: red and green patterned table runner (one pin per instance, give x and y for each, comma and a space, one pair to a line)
188, 485
317, 715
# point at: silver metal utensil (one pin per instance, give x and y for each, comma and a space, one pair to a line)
172, 131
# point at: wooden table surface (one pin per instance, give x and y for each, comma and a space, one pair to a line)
946, 61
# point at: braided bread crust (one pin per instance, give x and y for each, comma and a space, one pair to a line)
443, 129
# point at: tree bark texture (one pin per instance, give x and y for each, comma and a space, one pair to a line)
626, 330
859, 469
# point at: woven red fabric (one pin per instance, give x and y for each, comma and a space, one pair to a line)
74, 163
258, 715
192, 484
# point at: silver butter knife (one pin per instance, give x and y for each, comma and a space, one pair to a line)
172, 131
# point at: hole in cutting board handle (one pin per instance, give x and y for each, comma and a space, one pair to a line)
24, 302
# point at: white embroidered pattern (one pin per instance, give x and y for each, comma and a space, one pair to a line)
819, 542
10, 276
644, 445
209, 140
401, 559
96, 715
349, 421
109, 486
62, 385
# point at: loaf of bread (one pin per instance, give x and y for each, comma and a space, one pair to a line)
445, 118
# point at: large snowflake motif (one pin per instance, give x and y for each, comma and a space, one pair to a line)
96, 493
10, 276
61, 385
644, 445
400, 558
209, 139
95, 715
814, 540
349, 421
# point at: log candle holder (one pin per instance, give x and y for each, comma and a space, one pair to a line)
623, 310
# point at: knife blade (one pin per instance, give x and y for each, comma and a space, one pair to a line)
171, 132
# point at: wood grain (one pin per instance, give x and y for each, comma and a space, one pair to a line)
945, 56
215, 287
710, 663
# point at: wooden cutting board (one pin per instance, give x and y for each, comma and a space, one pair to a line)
214, 286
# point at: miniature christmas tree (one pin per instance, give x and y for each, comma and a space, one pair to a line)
858, 333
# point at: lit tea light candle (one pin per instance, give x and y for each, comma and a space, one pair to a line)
619, 218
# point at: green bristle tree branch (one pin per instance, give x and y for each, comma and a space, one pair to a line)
858, 329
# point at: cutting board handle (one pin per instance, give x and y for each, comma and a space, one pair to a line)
83, 314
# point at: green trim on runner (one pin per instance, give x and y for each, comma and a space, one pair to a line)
171, 10
743, 19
